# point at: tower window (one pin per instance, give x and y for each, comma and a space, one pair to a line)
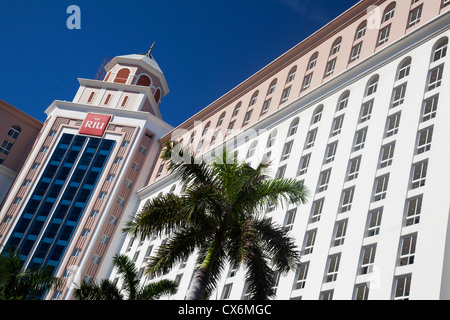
91, 97
144, 81
122, 76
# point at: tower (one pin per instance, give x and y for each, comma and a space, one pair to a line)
71, 198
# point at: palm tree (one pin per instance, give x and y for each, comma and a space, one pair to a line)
219, 216
19, 284
107, 290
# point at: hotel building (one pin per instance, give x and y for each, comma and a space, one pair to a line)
357, 111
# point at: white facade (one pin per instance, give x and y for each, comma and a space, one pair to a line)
391, 161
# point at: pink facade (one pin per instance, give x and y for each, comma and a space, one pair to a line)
18, 131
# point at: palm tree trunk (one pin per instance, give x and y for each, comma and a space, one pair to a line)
201, 278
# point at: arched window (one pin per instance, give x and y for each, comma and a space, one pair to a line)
205, 131
389, 12
222, 117
404, 68
252, 150
317, 114
157, 95
272, 138
91, 97
293, 127
108, 99
361, 31
291, 75
122, 76
172, 190
14, 132
124, 102
372, 85
107, 76
144, 81
254, 98
343, 100
313, 60
440, 49
272, 87
336, 46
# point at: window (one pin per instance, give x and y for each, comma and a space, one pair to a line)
317, 210
424, 140
327, 295
360, 139
331, 152
333, 268
430, 108
361, 31
389, 12
361, 291
387, 154
107, 100
383, 36
404, 69
222, 117
399, 95
237, 109
339, 233
14, 132
413, 210
408, 249
368, 258
304, 164
302, 273
230, 128
289, 219
313, 61
317, 114
227, 291
337, 126
402, 285
293, 127
254, 99
248, 117
272, 87
372, 85
291, 75
343, 101
366, 111
353, 168
205, 131
122, 76
414, 16
287, 150
393, 123
381, 185
419, 174
336, 46
280, 172
310, 238
307, 81
285, 95
347, 199
124, 102
435, 78
440, 50
272, 138
324, 180
5, 147
373, 227
144, 81
311, 139
252, 150
266, 106
330, 68
356, 52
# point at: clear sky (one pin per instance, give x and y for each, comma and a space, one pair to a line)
204, 47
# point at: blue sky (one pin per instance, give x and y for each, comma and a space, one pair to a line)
204, 47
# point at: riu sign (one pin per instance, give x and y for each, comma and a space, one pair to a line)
95, 125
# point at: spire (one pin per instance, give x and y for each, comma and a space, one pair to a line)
149, 54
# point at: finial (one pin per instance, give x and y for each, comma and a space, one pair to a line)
149, 54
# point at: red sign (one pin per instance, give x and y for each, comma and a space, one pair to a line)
95, 125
